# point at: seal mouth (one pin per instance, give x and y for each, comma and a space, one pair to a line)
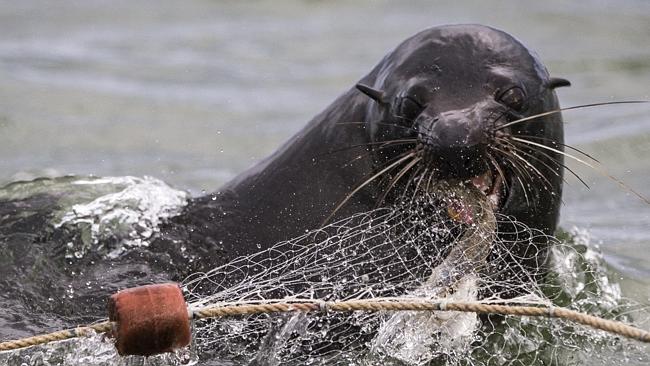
492, 184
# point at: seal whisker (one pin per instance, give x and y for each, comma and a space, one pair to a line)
555, 111
554, 170
497, 166
559, 164
524, 190
400, 160
429, 179
417, 180
514, 150
410, 181
402, 118
553, 142
511, 158
518, 170
369, 152
599, 169
360, 156
415, 190
382, 144
425, 175
547, 183
395, 179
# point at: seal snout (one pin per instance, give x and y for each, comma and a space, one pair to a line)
454, 144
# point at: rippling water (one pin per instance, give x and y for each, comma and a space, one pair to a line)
194, 92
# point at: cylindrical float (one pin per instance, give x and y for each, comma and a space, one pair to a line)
149, 319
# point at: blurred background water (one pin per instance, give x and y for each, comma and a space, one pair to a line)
194, 92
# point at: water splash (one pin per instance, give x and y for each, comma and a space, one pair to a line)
383, 253
127, 217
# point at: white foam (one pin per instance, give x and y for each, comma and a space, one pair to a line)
131, 214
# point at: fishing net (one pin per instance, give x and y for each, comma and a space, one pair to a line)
446, 244
454, 252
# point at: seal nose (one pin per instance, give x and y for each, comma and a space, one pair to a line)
455, 144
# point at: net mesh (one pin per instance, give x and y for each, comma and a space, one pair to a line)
447, 246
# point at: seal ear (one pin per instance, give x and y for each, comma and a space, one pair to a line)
374, 94
558, 82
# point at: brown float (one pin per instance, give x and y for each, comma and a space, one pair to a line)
149, 319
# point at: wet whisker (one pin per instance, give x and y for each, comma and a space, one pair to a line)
551, 159
547, 183
598, 169
560, 144
400, 159
556, 111
382, 144
498, 168
397, 177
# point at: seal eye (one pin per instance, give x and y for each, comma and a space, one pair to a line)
514, 98
408, 108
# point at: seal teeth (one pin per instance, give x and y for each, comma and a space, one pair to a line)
483, 182
495, 195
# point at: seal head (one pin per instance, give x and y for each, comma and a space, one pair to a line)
451, 89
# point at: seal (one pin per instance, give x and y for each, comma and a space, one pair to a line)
441, 104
